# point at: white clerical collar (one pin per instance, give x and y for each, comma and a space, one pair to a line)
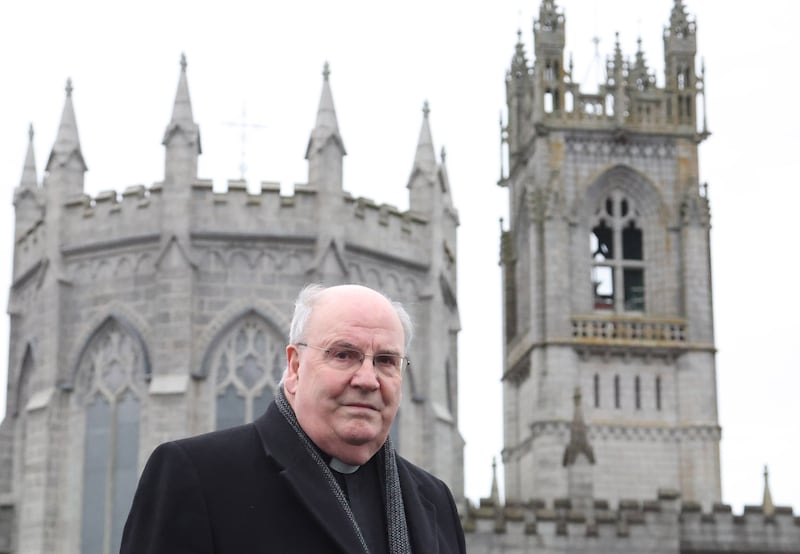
338, 465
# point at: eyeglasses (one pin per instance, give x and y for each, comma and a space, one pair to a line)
344, 358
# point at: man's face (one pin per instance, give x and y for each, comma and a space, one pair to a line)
347, 413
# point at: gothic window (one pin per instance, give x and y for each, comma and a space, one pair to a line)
616, 248
111, 383
248, 363
617, 403
596, 390
658, 393
637, 392
12, 456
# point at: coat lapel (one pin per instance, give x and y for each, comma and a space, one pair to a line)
305, 478
420, 515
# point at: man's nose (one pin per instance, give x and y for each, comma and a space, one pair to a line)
365, 376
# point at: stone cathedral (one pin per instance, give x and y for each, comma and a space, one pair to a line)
162, 311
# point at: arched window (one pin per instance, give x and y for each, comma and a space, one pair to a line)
248, 363
637, 392
617, 403
617, 250
111, 383
596, 390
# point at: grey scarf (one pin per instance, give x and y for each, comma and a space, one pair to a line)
395, 513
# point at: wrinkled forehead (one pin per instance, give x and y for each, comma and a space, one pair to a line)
358, 311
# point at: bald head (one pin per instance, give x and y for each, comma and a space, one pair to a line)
345, 408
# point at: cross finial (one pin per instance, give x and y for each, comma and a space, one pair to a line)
577, 396
425, 109
326, 71
30, 132
183, 62
68, 88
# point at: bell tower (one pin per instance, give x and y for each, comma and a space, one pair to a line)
607, 274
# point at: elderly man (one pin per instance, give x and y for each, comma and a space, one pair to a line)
317, 472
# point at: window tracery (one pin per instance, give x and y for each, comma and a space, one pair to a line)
617, 250
248, 363
111, 383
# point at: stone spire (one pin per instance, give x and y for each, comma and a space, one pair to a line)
325, 151
27, 199
616, 71
578, 440
29, 178
425, 159
549, 18
182, 116
422, 183
444, 178
495, 494
767, 506
182, 135
679, 24
519, 61
640, 75
327, 125
67, 147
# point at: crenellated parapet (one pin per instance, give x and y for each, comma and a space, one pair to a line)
127, 225
665, 524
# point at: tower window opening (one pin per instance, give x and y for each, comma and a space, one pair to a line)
617, 229
601, 242
596, 390
617, 402
658, 393
603, 286
609, 104
549, 71
633, 282
548, 102
631, 242
637, 391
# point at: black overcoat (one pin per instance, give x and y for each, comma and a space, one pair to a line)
254, 489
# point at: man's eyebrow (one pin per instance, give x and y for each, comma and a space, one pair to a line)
349, 345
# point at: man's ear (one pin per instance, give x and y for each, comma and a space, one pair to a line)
292, 369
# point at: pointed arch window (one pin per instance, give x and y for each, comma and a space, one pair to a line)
112, 374
248, 363
13, 456
617, 250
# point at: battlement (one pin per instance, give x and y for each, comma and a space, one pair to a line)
113, 220
664, 524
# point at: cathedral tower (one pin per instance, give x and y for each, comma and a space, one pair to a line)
606, 268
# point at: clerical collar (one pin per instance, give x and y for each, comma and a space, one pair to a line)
338, 465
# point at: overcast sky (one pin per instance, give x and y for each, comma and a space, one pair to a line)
265, 59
